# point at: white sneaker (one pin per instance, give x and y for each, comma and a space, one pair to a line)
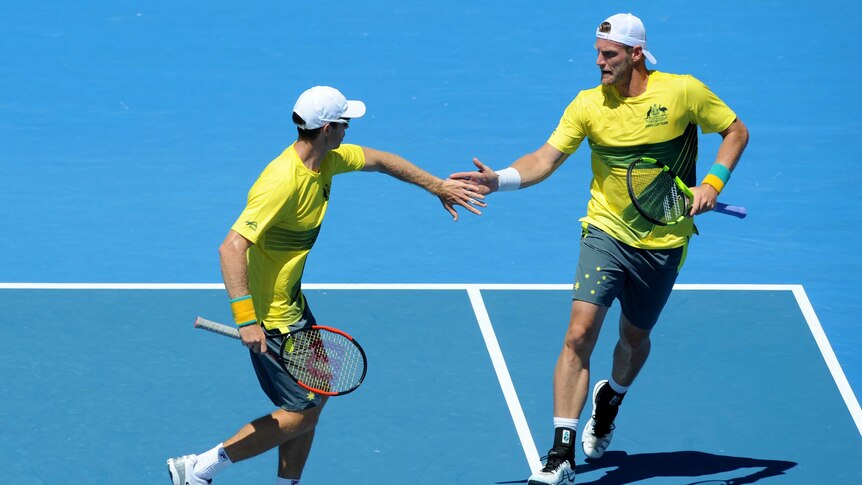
595, 439
557, 469
182, 471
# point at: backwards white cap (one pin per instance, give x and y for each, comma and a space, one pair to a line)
626, 29
322, 104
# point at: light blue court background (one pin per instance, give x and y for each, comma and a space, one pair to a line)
113, 400
127, 381
131, 131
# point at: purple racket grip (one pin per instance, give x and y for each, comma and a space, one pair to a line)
731, 210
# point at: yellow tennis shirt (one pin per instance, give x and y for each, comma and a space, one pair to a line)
661, 123
285, 209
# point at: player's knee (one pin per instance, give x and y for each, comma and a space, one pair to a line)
580, 340
635, 341
633, 337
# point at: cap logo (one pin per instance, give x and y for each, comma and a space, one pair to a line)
605, 28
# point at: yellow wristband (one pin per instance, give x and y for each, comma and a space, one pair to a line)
714, 181
717, 177
243, 311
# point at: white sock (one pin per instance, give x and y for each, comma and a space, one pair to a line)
212, 462
616, 387
570, 423
286, 481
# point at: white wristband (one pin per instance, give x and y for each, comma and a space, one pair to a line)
509, 179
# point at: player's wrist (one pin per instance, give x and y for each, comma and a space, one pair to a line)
710, 187
242, 308
717, 177
508, 179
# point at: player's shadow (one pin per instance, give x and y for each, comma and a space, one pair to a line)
624, 468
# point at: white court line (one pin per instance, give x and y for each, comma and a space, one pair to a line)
829, 356
364, 286
798, 291
111, 286
505, 379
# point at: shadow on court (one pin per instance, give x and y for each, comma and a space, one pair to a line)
625, 468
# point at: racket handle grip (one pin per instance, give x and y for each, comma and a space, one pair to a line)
218, 328
731, 210
228, 331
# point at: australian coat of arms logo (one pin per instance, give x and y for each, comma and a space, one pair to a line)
656, 116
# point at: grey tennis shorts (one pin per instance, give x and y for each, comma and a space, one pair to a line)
279, 387
641, 279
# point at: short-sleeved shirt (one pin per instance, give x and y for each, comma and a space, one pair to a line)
661, 123
285, 210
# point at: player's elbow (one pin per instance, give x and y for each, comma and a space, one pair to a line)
233, 246
744, 136
739, 132
224, 250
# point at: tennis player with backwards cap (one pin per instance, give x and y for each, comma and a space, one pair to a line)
262, 261
633, 113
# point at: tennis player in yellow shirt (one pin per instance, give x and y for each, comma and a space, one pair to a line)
634, 112
263, 258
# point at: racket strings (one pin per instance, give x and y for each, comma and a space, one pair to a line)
656, 193
324, 360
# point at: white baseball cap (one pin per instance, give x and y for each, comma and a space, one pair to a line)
322, 104
626, 29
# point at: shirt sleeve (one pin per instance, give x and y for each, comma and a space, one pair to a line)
705, 108
570, 131
346, 158
266, 202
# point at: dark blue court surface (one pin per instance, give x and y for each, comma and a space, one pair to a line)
130, 133
455, 378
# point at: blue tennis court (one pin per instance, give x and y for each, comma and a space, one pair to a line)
472, 365
130, 133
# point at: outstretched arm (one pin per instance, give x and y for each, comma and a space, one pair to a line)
450, 192
532, 168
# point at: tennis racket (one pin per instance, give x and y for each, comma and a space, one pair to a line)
661, 197
321, 359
